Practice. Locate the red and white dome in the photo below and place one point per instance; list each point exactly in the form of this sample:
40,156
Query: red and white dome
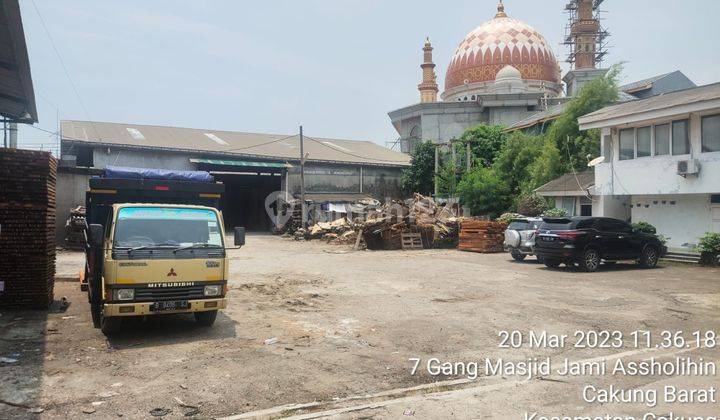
495,44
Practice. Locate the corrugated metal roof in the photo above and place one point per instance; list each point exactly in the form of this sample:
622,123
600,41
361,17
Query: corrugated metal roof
231,143
643,84
667,100
547,115
246,163
568,182
17,98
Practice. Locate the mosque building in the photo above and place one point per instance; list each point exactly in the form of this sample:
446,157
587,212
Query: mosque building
502,72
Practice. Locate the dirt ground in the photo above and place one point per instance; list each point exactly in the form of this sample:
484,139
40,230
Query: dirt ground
346,323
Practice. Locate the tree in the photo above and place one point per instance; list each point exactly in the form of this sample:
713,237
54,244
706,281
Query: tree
484,191
532,205
576,145
420,176
485,143
517,155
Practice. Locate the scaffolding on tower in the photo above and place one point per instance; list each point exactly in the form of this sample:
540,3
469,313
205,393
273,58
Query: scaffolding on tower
585,35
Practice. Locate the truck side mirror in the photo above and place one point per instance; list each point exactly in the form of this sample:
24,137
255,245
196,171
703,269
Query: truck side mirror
239,236
96,235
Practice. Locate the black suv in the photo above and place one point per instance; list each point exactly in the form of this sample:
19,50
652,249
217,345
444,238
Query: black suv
588,240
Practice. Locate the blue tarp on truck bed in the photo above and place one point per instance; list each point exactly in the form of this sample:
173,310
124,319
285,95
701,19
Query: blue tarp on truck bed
120,172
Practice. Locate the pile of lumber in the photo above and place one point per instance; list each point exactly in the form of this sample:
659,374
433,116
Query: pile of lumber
437,225
75,229
481,236
339,231
27,228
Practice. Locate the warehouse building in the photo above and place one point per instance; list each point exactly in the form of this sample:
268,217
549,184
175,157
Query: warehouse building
251,165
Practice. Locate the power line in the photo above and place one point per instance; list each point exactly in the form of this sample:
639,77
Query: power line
62,64
348,153
261,144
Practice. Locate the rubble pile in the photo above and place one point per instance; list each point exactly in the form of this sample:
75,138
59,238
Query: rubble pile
27,228
384,227
339,231
481,236
75,229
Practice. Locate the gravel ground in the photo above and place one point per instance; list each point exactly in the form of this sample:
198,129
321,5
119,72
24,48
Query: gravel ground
346,323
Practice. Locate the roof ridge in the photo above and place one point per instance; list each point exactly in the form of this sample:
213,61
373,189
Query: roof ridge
214,130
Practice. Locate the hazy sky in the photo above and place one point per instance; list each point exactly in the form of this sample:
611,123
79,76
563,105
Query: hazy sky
335,66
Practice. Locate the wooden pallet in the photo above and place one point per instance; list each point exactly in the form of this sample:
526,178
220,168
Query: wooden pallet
411,240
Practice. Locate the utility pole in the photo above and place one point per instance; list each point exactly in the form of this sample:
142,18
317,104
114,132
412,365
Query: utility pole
437,163
13,135
468,155
302,181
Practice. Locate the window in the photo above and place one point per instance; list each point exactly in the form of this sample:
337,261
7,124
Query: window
585,209
662,139
612,225
643,141
627,144
568,203
715,199
711,133
680,141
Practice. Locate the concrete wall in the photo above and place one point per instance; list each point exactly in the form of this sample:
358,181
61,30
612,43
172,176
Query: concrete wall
71,189
379,182
617,206
681,218
141,159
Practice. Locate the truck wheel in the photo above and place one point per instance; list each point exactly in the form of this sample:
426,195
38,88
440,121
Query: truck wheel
96,313
590,260
649,257
206,319
109,325
517,256
551,263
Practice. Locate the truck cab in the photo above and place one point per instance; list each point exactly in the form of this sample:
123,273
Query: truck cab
155,246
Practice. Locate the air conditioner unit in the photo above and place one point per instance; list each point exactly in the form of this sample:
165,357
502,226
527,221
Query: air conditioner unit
688,167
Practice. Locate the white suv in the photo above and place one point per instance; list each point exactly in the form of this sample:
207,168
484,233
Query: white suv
520,237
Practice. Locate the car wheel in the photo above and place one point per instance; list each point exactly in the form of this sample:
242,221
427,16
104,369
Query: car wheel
109,325
590,260
649,257
517,255
206,319
551,263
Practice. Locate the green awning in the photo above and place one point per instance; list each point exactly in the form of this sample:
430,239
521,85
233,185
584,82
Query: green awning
246,163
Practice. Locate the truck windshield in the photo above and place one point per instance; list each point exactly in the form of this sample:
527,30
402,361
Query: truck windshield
171,227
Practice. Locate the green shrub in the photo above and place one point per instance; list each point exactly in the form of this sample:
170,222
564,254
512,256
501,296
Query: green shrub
532,205
556,212
508,217
484,192
645,227
710,243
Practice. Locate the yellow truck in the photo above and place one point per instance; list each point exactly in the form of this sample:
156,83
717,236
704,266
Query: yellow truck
155,245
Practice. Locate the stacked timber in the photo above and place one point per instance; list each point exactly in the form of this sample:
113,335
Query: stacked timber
27,228
481,236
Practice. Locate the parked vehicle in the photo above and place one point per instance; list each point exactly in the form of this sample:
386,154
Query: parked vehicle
520,237
587,241
156,245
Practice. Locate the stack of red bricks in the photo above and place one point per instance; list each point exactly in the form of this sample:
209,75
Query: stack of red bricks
481,236
27,228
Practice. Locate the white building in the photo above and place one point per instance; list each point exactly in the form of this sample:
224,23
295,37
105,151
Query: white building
662,163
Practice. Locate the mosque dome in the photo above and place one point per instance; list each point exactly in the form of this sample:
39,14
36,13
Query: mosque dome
501,46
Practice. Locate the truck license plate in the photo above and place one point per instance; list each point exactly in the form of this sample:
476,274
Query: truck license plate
170,305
